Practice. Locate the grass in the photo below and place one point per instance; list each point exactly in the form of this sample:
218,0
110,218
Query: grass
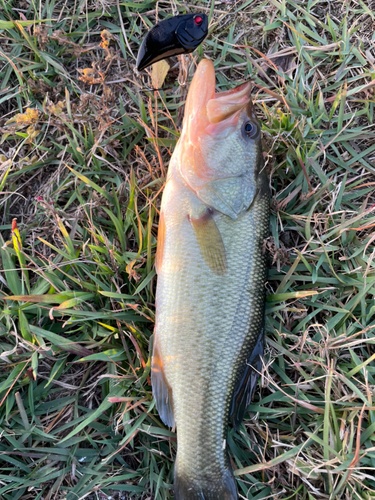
84,150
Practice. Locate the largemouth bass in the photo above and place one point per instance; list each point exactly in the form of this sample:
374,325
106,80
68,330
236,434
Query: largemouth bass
210,290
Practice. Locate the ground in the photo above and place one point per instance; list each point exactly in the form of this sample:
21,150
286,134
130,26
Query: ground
85,143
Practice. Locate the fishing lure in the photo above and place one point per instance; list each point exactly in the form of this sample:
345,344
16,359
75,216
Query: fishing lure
176,35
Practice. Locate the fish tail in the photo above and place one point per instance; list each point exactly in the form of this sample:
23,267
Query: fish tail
222,487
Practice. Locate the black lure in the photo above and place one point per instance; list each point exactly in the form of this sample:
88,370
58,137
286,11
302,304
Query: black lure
176,35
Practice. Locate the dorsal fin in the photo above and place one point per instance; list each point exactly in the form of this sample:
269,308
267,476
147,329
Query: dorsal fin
160,389
246,384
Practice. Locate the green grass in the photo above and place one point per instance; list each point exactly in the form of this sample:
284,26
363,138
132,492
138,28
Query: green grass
83,173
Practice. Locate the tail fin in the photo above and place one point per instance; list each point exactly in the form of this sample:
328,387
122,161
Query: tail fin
222,488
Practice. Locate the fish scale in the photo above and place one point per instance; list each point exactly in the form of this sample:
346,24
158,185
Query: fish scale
209,316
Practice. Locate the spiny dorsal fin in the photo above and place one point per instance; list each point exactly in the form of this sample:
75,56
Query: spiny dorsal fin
246,385
210,242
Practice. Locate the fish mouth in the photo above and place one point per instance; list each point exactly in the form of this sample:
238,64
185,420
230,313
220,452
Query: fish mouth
210,112
228,103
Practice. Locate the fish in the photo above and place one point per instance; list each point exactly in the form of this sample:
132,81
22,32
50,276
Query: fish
211,270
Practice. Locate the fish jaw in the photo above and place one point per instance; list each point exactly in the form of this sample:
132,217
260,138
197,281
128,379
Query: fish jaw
227,103
205,108
202,90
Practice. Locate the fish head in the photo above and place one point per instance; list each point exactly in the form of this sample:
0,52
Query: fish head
221,135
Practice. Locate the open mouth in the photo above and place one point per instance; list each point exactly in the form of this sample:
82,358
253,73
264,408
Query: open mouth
209,111
227,103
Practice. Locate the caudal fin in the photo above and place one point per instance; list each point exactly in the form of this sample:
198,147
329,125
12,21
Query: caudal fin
209,488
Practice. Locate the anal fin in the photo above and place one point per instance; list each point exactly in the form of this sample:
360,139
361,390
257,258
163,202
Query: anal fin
160,389
246,385
210,242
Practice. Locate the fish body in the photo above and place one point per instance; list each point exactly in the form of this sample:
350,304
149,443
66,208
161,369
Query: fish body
210,291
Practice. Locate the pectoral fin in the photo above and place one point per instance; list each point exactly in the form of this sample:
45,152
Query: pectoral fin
160,389
210,242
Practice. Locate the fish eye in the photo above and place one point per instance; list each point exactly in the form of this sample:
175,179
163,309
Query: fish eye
250,129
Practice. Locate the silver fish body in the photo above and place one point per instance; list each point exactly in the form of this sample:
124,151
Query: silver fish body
210,291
